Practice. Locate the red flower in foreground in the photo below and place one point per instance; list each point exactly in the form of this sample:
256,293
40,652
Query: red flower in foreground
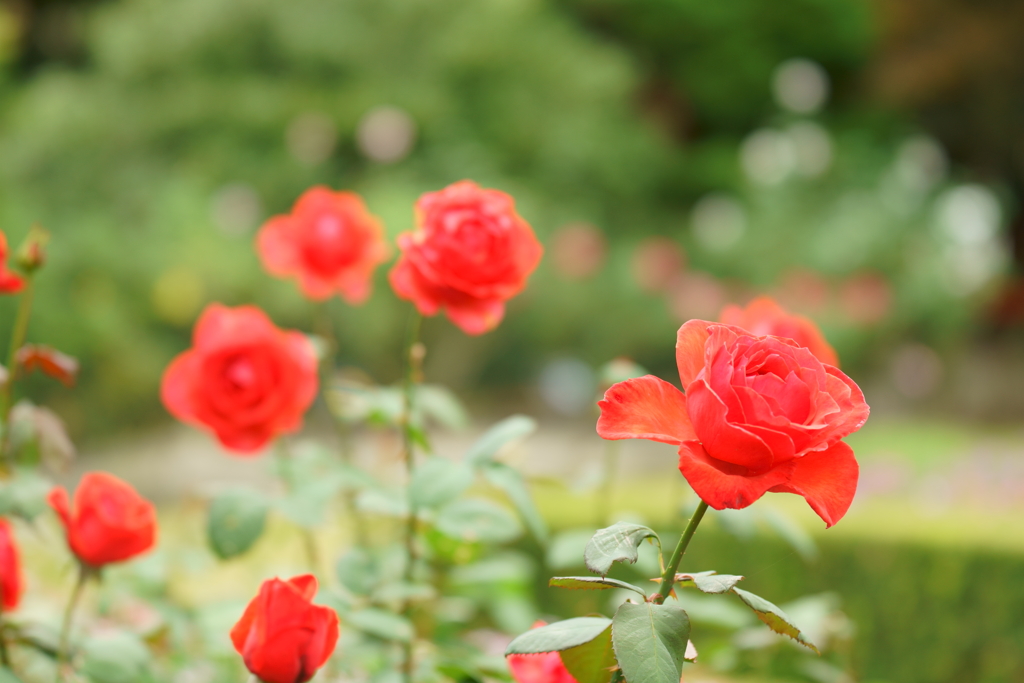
282,636
764,316
546,667
759,414
107,521
245,379
11,581
470,253
329,242
10,283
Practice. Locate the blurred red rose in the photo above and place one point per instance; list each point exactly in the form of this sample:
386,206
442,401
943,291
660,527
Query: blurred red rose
763,316
282,636
107,521
10,283
11,581
546,667
245,379
469,254
759,414
329,242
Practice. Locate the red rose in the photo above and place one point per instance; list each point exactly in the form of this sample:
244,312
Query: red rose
546,667
245,379
10,283
329,242
759,414
11,581
282,636
107,522
764,316
470,253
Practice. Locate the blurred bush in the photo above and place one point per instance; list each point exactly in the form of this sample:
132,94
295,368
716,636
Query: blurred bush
155,155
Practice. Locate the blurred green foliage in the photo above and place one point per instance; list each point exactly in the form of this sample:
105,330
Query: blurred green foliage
154,158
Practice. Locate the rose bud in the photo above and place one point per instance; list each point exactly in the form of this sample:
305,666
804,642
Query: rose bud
763,316
244,379
760,414
10,282
546,667
282,636
469,254
31,254
107,521
11,581
329,242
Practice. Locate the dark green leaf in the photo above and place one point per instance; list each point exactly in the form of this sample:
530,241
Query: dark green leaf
774,617
512,484
508,430
477,520
357,571
709,582
236,520
558,636
591,662
380,623
650,641
617,543
118,657
592,583
437,481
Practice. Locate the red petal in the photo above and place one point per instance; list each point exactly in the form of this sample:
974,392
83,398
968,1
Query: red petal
58,500
276,247
827,479
475,316
722,439
58,365
690,341
305,585
176,386
220,324
724,485
645,408
408,285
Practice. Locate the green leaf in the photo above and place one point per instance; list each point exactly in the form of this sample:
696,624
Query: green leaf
357,571
709,582
381,624
508,430
436,481
381,502
441,405
591,662
400,590
617,543
774,617
650,641
236,520
512,484
592,583
119,657
477,520
24,494
7,676
558,636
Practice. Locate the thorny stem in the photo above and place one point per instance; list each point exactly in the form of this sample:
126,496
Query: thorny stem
668,578
65,629
18,333
413,359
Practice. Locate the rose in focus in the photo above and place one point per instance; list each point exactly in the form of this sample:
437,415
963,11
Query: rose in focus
282,636
764,316
469,254
12,583
244,379
329,242
107,521
760,413
546,667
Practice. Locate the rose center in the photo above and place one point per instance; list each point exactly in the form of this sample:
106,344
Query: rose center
241,373
330,245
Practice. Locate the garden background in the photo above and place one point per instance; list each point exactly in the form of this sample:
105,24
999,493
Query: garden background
861,161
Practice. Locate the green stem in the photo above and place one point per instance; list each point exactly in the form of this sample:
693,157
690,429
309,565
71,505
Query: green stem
668,578
413,358
5,657
18,334
65,629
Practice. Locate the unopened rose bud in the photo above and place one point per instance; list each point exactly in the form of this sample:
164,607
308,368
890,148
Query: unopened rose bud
31,254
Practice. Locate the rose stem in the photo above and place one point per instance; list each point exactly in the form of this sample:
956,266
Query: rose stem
669,577
18,334
287,470
5,658
324,326
413,360
65,628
